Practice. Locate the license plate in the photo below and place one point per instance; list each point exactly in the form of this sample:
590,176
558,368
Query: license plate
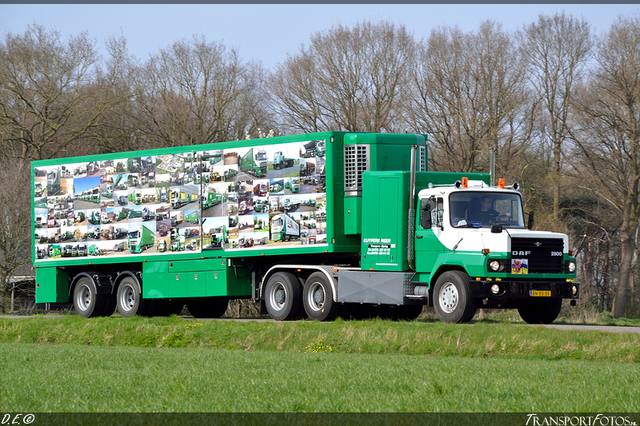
540,293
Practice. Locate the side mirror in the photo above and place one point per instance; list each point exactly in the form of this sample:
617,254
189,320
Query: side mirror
530,224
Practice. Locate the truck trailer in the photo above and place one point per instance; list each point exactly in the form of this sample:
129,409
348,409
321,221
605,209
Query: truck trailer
394,235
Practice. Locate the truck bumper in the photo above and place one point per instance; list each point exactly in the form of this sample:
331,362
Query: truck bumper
509,290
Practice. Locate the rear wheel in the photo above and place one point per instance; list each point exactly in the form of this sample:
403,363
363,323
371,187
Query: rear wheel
452,298
209,307
129,298
540,311
282,296
86,301
317,298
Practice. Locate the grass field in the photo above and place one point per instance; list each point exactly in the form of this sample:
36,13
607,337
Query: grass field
180,365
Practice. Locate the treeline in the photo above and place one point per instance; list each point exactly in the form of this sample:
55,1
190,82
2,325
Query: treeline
558,103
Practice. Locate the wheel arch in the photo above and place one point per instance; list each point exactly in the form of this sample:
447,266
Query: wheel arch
103,282
300,272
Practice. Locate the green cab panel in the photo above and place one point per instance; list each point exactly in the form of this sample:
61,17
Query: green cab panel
385,206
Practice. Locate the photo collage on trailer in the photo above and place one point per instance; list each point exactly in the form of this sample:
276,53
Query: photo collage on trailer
236,198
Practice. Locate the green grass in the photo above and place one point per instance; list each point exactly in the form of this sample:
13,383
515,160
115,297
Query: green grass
482,339
73,378
174,364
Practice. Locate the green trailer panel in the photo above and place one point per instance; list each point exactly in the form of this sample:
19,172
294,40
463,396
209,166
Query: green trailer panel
52,285
194,278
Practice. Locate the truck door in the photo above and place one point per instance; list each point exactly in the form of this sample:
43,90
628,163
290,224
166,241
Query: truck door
429,224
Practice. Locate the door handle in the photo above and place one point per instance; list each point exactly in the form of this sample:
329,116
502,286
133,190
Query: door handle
419,237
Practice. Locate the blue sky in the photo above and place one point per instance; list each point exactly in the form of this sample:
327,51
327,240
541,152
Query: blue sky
266,32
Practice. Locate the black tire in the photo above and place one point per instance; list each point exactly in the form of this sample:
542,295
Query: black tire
539,311
129,298
209,307
283,296
86,301
109,305
317,298
452,298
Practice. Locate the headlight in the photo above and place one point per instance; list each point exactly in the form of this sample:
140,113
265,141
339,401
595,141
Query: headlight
572,267
495,265
495,289
574,290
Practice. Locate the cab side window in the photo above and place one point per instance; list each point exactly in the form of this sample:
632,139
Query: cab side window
431,212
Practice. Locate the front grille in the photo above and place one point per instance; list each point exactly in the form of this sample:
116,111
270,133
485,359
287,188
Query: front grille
544,255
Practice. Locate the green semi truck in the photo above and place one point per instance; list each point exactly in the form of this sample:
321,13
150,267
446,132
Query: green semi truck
281,161
140,239
395,237
254,162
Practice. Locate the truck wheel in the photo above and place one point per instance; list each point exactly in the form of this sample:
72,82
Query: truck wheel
86,301
317,298
129,298
210,307
452,299
282,296
542,311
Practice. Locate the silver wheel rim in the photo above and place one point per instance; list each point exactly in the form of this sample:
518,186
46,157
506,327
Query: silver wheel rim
278,296
316,296
83,298
127,298
448,298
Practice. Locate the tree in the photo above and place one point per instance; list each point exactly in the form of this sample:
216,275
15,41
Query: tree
15,221
556,49
44,107
471,96
349,78
196,92
608,139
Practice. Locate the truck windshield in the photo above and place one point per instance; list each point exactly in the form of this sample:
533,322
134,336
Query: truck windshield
475,209
134,234
261,156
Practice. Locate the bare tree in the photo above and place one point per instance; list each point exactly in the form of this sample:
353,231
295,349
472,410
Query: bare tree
608,141
15,221
349,78
471,96
556,49
196,92
44,107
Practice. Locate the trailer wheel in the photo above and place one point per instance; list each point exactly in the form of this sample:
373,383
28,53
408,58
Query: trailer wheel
86,300
317,298
210,307
282,296
129,298
540,311
452,299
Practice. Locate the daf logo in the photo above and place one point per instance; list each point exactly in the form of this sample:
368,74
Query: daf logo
537,243
520,253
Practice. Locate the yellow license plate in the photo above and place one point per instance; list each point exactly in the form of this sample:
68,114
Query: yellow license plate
540,293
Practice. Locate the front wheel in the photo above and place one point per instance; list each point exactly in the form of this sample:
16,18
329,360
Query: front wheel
282,296
540,311
317,298
452,298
